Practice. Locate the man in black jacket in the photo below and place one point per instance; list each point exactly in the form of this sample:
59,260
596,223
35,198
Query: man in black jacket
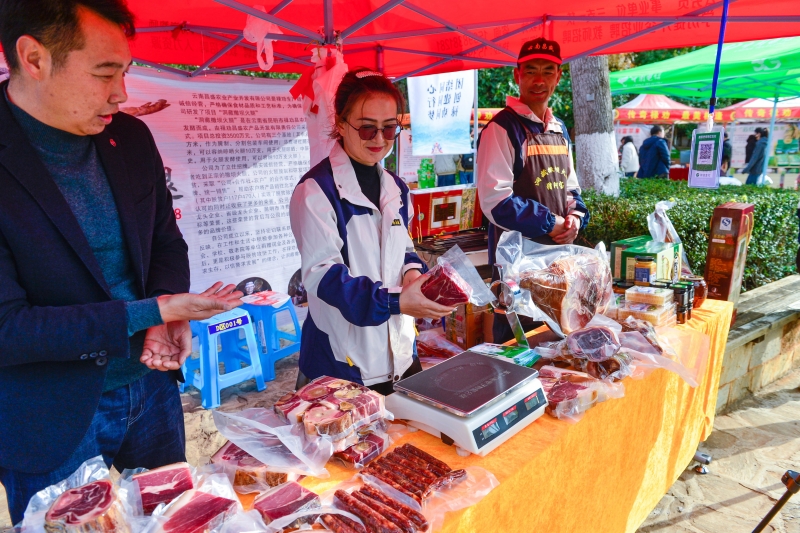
93,268
654,155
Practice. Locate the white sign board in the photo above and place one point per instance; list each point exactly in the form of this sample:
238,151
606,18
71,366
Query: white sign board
233,149
407,162
441,107
639,132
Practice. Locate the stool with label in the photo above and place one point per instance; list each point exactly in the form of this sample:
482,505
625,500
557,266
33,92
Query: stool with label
265,307
222,331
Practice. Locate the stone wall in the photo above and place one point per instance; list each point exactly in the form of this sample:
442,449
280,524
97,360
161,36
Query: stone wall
763,344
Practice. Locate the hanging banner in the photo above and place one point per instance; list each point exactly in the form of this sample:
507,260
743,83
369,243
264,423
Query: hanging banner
441,107
706,158
407,163
233,149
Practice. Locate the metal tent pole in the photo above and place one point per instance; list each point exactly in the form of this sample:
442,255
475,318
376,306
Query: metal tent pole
713,101
770,134
475,134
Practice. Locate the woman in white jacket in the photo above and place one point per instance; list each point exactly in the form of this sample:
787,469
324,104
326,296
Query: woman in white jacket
630,157
350,219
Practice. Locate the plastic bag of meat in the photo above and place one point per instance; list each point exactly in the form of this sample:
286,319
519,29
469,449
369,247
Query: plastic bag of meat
373,440
284,500
249,474
247,522
433,344
160,485
565,286
333,519
87,501
455,280
282,447
688,362
595,343
571,393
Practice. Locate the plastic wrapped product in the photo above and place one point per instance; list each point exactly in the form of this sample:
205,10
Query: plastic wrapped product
647,330
569,393
455,280
368,448
249,474
162,485
90,508
615,368
287,499
196,512
432,343
656,315
596,343
649,295
571,290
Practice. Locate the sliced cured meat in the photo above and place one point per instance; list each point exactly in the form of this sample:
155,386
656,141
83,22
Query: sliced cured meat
286,499
313,392
596,343
92,507
162,485
290,408
364,451
322,420
365,407
418,518
196,512
248,471
571,290
446,286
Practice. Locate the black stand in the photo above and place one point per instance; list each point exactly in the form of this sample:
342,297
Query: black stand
792,481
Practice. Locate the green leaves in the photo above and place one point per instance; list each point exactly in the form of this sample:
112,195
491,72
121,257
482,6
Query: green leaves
770,256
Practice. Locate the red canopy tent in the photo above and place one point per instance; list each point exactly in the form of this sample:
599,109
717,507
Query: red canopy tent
760,109
408,37
657,109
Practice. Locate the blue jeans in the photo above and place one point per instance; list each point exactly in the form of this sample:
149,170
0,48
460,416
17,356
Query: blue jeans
138,425
445,180
752,179
466,176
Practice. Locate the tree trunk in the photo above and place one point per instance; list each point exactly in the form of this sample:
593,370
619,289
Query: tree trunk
595,145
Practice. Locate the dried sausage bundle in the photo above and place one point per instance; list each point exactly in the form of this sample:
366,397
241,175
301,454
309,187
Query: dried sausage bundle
379,512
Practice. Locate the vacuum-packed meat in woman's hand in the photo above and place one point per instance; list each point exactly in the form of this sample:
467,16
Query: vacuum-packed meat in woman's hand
445,286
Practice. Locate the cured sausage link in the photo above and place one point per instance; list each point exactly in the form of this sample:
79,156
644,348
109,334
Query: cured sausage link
413,475
421,463
388,470
427,457
449,479
374,521
419,520
402,461
352,523
334,524
386,479
387,512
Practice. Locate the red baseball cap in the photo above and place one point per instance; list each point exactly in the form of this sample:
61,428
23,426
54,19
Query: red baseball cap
540,48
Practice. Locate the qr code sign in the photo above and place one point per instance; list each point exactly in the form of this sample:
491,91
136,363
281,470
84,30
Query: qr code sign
705,153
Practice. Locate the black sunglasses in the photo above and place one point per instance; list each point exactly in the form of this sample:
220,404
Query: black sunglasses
369,132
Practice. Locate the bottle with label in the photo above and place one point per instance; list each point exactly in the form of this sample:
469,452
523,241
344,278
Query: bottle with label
645,270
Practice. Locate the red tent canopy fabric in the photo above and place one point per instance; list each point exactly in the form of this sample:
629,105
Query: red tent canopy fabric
409,37
758,109
657,109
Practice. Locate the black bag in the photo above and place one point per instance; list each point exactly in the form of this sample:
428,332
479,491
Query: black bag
468,161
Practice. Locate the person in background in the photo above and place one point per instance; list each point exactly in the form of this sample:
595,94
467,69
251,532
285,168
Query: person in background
445,166
755,167
94,272
466,169
727,152
654,155
751,145
526,178
629,164
362,276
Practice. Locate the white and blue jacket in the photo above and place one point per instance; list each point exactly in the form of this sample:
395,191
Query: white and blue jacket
353,260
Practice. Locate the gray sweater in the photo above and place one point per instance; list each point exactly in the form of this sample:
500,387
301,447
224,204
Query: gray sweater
75,167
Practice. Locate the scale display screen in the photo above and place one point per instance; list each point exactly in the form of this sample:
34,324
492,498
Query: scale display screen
498,425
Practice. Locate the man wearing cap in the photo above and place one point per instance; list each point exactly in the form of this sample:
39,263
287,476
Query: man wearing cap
526,179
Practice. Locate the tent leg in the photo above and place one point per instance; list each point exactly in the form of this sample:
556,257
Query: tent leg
769,135
475,134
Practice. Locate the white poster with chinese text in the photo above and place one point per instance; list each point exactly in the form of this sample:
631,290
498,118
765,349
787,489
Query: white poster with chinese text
441,106
233,149
407,163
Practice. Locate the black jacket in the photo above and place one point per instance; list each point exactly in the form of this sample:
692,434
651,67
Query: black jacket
55,305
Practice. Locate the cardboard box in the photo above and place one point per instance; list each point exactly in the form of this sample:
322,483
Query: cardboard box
666,254
465,325
617,247
731,226
444,210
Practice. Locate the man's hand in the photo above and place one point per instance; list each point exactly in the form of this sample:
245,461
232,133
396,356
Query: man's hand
571,227
213,301
559,228
414,303
166,347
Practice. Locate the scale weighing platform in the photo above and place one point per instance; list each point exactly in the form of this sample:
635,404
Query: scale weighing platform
472,400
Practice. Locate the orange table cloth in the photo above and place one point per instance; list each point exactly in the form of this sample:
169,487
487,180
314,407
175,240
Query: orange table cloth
602,475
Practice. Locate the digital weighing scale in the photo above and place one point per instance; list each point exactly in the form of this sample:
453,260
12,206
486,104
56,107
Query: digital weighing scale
472,400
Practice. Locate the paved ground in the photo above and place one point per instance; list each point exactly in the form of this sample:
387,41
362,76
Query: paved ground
752,447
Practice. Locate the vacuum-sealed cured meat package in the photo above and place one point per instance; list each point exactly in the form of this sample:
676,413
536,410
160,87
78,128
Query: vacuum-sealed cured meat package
596,343
455,281
91,507
249,474
162,485
284,500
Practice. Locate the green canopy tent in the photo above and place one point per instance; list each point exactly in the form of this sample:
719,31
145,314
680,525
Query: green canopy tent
767,69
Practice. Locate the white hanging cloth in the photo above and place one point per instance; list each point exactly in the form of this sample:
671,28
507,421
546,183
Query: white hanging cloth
255,31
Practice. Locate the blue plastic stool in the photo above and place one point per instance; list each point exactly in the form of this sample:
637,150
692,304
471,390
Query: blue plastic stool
266,317
223,328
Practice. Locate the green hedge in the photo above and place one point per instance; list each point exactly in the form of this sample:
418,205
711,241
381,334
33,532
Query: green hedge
773,247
